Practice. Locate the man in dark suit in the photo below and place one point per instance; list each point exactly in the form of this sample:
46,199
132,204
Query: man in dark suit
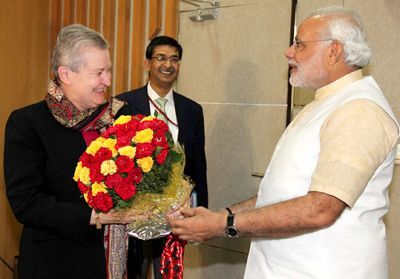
186,123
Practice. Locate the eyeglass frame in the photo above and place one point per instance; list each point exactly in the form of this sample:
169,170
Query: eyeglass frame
297,42
160,58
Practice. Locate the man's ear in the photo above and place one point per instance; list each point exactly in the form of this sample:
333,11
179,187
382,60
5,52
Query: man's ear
146,64
64,74
335,52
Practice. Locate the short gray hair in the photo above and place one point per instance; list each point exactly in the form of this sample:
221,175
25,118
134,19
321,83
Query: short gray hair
347,27
70,41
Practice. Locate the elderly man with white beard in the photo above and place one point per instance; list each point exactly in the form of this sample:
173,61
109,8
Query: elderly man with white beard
319,209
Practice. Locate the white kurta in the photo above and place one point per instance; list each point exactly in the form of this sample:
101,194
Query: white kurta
355,245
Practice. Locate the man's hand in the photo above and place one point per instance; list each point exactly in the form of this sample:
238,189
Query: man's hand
198,224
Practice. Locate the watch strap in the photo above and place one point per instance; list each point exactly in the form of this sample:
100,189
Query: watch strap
229,220
230,230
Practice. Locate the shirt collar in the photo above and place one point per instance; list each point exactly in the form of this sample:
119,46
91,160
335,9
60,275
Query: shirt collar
153,94
338,84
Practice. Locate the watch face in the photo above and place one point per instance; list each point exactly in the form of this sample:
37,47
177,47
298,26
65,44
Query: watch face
231,231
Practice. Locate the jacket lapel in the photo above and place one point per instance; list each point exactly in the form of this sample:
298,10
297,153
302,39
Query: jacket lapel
142,102
181,116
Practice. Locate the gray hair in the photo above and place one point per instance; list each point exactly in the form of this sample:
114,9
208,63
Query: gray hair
70,42
347,27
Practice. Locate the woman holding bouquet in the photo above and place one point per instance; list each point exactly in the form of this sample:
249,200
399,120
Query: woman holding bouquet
43,143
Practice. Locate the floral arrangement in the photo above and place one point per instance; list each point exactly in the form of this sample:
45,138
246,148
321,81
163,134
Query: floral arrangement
135,164
133,157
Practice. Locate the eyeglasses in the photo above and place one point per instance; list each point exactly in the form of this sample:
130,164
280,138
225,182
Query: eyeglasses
298,44
175,60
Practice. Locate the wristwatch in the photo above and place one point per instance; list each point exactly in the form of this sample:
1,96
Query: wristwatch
230,229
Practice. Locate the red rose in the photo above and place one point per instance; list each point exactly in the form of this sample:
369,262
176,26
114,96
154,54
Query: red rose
95,174
144,150
123,140
129,129
87,160
103,154
135,175
139,117
149,124
113,180
160,139
125,190
155,125
162,156
109,132
102,201
124,164
82,187
162,126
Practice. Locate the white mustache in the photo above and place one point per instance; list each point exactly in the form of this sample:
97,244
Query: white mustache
292,63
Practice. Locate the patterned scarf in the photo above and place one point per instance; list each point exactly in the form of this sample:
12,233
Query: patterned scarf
68,115
91,123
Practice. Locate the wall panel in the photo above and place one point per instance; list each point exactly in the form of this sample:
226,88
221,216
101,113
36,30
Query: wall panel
24,31
137,49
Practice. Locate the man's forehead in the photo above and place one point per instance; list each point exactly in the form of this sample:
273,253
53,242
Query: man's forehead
165,48
311,26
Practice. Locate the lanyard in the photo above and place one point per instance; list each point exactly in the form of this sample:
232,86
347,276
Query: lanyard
162,112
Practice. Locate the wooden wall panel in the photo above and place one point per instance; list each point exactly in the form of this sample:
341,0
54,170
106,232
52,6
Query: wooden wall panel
81,12
55,20
24,26
137,50
121,65
155,16
94,14
171,18
68,12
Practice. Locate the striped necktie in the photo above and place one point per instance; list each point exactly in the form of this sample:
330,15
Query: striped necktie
161,104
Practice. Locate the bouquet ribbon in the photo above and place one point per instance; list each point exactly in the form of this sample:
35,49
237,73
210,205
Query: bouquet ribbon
172,258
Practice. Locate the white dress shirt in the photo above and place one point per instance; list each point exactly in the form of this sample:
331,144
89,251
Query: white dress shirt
169,109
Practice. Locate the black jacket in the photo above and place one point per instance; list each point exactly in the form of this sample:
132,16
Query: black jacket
40,156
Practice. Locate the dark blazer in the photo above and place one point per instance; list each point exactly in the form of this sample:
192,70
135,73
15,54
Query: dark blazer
40,156
191,134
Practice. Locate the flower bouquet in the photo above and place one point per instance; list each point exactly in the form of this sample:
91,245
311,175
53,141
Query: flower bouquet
135,163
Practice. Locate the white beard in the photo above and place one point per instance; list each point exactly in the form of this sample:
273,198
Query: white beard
309,74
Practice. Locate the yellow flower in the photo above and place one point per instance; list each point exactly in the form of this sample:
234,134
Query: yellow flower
86,198
108,167
143,136
95,146
145,163
78,170
84,176
122,120
110,144
147,118
98,188
129,151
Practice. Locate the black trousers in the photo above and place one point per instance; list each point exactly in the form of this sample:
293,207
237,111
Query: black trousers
143,253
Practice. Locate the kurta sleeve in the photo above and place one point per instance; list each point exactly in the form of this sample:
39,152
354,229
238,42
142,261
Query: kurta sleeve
354,141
